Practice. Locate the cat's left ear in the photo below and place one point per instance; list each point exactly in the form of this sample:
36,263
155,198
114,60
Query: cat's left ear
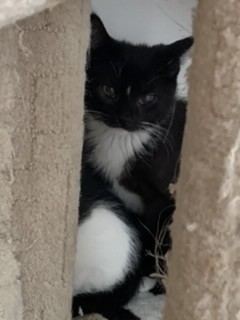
174,52
178,48
99,34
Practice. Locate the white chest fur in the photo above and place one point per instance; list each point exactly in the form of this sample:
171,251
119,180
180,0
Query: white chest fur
114,147
112,150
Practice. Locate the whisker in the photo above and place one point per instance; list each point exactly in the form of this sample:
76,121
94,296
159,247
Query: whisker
114,69
158,132
171,119
153,79
96,114
165,132
121,67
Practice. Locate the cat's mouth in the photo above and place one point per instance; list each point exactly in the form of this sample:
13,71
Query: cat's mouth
126,124
120,123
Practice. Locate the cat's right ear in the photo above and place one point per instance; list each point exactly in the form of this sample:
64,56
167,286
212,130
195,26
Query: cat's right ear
99,34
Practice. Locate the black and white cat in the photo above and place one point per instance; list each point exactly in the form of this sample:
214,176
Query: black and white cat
133,134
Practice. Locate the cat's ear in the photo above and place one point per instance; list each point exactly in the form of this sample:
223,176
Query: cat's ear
173,54
178,48
99,34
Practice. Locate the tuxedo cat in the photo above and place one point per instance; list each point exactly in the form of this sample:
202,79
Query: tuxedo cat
133,133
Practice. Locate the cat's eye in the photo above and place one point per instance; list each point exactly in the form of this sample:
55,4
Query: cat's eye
109,92
146,99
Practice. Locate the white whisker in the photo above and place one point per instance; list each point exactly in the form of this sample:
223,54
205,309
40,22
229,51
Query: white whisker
114,69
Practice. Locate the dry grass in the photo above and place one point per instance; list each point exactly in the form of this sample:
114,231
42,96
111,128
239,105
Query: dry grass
161,261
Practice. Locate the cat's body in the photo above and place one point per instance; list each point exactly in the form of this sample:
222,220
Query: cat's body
113,237
133,134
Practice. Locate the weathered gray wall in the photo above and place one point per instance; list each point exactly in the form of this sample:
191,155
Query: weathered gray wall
204,268
42,62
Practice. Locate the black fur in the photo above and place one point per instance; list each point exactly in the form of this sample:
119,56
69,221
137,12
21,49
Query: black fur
151,179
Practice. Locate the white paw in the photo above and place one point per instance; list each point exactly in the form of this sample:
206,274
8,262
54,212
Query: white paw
147,284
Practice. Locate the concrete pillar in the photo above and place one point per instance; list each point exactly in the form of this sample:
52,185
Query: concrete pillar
42,61
204,267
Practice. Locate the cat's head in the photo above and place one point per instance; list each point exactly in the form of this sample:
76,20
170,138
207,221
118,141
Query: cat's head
131,85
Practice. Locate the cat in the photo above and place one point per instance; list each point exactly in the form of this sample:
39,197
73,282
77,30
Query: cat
131,113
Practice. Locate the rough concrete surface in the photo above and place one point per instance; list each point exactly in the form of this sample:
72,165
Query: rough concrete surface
204,268
42,63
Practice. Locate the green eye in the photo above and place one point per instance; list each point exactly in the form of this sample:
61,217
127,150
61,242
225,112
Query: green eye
146,99
109,92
